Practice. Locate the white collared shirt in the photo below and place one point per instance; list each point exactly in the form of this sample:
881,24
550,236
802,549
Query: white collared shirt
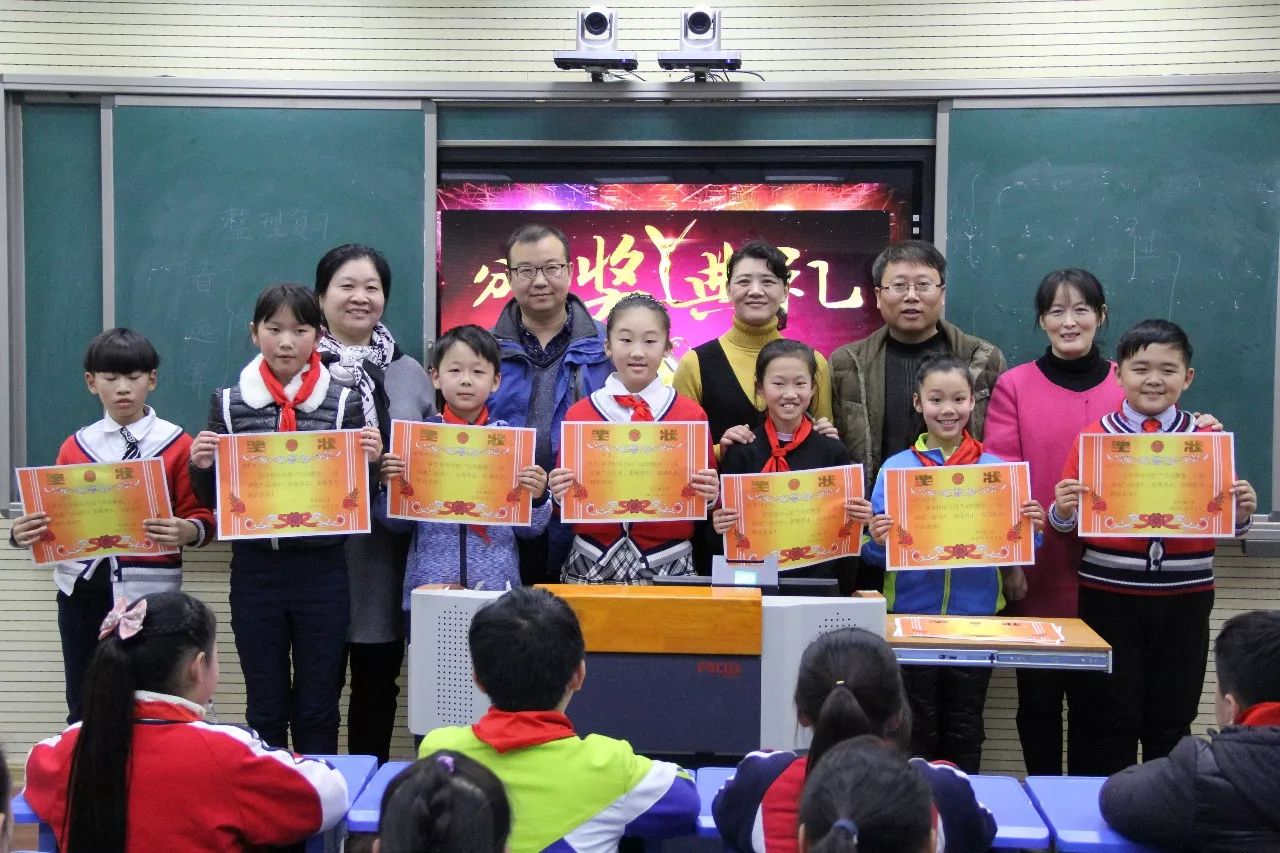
105,441
1135,419
657,394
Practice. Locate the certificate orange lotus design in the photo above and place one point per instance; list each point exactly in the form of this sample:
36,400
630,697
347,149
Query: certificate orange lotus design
798,515
954,516
292,484
96,510
461,474
639,471
1157,484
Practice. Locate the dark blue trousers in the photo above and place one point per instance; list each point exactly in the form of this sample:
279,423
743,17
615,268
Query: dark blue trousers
290,610
80,616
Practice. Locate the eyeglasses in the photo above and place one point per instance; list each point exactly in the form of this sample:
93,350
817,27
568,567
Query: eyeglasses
527,274
922,288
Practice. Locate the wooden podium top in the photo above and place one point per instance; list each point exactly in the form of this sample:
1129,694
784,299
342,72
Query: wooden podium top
666,620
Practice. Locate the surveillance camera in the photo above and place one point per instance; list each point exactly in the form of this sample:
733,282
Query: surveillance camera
597,45
700,29
596,30
700,50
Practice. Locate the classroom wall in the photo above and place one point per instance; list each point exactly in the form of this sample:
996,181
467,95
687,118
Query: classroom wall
514,39
32,704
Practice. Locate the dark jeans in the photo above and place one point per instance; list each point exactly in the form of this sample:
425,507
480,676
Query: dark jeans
946,713
80,616
1159,648
291,606
542,557
371,711
1041,693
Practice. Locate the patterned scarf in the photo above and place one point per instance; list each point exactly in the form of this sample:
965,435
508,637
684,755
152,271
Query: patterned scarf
349,371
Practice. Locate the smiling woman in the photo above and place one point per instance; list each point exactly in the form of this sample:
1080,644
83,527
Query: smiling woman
1035,413
353,283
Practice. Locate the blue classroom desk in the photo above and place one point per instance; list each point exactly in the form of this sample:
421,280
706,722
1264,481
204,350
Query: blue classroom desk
1070,807
355,769
1018,824
365,809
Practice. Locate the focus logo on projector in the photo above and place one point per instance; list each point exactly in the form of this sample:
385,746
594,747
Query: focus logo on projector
720,668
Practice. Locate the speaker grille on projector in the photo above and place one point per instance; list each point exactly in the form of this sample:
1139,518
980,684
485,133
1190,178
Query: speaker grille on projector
454,685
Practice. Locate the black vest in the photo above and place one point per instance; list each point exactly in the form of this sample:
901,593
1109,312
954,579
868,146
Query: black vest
723,399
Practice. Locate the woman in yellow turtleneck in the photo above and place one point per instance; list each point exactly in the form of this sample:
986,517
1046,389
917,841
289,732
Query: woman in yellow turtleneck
720,374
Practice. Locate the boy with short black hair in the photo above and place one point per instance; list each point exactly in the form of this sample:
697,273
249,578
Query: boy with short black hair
120,369
1220,794
1149,598
576,793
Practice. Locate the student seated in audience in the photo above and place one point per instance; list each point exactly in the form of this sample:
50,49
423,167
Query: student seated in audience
1220,794
866,798
568,792
444,803
145,772
849,685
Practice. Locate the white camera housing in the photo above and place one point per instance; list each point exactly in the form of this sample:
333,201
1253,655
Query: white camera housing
597,51
700,28
597,29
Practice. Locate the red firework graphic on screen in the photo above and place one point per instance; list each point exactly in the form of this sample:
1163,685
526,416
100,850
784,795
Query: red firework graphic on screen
672,241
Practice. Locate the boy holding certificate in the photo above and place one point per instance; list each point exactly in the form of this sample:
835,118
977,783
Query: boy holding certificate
120,369
1149,597
465,369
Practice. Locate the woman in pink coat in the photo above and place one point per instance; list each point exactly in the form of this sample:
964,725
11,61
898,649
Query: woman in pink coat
1036,411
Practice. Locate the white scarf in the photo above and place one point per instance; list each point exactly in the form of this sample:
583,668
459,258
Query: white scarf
349,370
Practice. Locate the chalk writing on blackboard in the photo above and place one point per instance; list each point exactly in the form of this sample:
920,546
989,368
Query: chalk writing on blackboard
280,223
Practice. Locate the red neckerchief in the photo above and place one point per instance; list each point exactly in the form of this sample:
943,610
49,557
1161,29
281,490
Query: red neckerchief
1261,714
450,418
288,417
968,453
508,730
640,410
777,460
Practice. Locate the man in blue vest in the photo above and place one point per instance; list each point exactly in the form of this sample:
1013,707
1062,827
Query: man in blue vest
552,356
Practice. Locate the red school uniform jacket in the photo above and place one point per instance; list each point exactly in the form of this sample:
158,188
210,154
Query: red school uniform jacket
136,576
196,786
649,536
1138,565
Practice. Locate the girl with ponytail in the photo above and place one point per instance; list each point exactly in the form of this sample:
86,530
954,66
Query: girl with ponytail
145,772
849,685
444,803
866,798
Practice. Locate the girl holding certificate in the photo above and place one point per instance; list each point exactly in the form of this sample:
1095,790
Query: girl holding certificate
638,339
289,596
786,379
946,702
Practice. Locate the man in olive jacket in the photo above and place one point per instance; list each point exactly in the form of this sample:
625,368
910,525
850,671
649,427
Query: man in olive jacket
873,379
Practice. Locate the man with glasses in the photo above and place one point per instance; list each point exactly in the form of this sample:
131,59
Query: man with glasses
552,356
873,379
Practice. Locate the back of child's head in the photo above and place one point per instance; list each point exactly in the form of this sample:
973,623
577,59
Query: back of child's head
334,259
120,350
1144,334
944,362
444,803
785,348
865,797
293,298
525,647
638,300
478,340
175,627
1247,656
850,684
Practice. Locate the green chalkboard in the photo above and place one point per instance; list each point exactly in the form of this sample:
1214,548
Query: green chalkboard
62,228
1175,209
212,204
